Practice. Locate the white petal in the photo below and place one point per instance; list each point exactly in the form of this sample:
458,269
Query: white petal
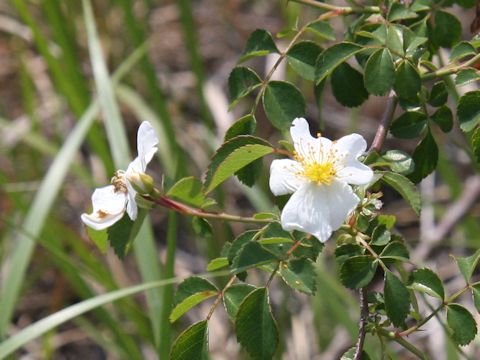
355,173
132,209
309,148
353,145
108,201
307,211
100,222
342,201
136,166
146,143
319,210
108,208
284,178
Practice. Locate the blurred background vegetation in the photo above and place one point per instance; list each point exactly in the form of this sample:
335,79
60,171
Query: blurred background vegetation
66,124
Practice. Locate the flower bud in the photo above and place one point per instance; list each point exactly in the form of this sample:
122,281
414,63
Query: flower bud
141,182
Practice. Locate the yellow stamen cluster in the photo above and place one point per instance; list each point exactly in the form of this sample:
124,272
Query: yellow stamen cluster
319,173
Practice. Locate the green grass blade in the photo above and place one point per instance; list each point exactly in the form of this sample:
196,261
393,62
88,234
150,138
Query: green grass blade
147,260
42,203
50,322
166,333
113,121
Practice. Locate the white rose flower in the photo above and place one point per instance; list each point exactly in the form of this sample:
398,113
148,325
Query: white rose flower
319,178
110,202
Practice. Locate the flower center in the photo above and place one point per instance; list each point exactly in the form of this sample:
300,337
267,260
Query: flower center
118,181
319,173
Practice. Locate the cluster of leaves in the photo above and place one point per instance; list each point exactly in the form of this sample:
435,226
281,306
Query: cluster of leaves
270,249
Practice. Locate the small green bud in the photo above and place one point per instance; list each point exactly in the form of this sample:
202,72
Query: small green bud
141,182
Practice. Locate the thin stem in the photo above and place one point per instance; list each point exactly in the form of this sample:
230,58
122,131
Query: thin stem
344,9
282,152
220,297
362,326
384,125
287,255
272,275
184,209
337,11
366,246
435,311
403,342
294,247
421,323
448,70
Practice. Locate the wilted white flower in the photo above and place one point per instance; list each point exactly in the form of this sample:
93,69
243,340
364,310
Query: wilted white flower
319,178
110,202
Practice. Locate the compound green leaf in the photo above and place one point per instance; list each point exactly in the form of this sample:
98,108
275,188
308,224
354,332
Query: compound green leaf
322,29
251,255
381,236
395,39
466,76
192,344
397,299
217,263
255,326
232,156
425,158
241,82
300,275
396,251
407,81
468,264
260,43
191,292
425,280
461,323
468,110
447,29
405,188
438,94
302,58
238,243
379,72
188,190
233,297
461,50
409,125
332,57
244,126
282,103
347,86
399,161
476,296
358,271
399,11
443,117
